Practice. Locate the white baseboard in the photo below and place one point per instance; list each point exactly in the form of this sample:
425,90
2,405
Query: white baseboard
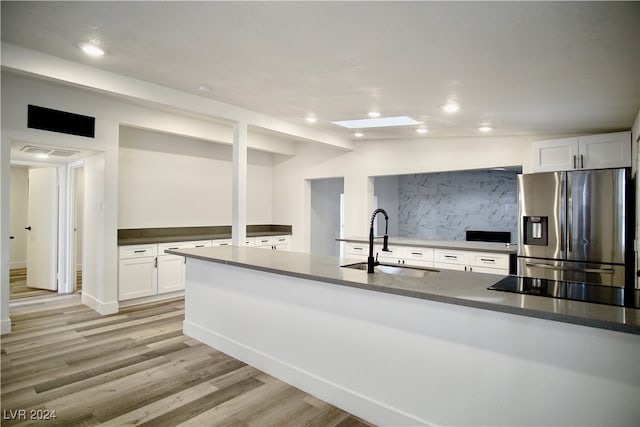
103,308
5,326
144,300
321,388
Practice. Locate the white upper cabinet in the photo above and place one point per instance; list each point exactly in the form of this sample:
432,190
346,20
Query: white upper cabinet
611,150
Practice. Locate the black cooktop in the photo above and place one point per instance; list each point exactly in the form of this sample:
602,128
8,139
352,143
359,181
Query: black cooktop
586,292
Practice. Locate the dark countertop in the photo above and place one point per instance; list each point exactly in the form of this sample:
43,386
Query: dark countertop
145,236
447,286
462,245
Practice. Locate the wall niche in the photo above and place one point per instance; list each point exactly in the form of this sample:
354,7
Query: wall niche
444,205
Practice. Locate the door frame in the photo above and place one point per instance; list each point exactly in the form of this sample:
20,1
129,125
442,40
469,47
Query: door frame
70,219
63,230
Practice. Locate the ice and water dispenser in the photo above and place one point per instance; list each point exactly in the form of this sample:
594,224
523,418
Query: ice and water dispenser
536,230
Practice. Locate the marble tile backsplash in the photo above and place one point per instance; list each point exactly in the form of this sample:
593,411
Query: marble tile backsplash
442,206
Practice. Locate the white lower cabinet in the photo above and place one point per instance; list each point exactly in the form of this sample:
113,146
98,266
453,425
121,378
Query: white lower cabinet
138,272
405,255
273,242
146,270
447,259
171,273
479,262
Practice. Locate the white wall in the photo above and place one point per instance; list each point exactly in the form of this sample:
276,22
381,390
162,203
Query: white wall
18,205
172,181
377,158
101,170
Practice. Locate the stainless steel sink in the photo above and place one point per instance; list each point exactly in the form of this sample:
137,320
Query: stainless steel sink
394,269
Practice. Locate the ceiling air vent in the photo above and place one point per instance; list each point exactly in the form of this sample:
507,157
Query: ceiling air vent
60,121
45,151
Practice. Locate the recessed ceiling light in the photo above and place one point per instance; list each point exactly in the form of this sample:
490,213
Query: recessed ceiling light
311,119
204,88
451,107
42,156
373,114
485,128
422,130
91,49
358,134
378,122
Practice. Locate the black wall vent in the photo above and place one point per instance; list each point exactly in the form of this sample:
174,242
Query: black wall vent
61,121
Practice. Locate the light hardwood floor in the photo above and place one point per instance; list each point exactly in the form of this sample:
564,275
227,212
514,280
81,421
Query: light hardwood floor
137,368
18,287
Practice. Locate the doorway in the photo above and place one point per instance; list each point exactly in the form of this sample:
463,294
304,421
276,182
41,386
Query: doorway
34,230
47,197
326,215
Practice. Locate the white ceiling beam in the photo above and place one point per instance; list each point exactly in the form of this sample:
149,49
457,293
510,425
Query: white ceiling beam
50,67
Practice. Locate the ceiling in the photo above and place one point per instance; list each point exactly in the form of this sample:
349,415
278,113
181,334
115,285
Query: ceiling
522,67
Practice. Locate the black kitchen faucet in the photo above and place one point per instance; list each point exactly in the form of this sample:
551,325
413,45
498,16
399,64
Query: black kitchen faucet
371,262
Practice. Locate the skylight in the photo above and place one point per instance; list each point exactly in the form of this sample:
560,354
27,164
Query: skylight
377,122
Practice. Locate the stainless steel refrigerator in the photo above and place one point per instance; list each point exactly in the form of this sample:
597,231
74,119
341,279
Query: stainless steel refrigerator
574,226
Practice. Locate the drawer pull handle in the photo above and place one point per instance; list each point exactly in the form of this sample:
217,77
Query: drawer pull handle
488,259
139,251
281,240
199,246
224,244
451,256
417,253
264,241
357,249
171,249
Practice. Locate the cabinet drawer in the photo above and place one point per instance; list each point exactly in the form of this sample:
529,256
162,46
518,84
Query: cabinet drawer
197,244
221,242
356,249
419,254
138,251
167,246
449,257
281,240
490,260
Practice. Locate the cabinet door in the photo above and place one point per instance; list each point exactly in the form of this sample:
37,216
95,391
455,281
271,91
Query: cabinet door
171,273
488,270
281,243
394,256
137,277
611,150
555,155
449,266
265,242
483,262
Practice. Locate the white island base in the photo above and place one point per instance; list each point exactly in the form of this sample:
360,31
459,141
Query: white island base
395,360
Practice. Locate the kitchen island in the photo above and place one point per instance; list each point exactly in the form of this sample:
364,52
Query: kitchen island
399,350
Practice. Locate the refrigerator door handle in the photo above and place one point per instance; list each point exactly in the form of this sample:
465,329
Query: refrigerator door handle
596,270
563,212
569,222
541,265
583,270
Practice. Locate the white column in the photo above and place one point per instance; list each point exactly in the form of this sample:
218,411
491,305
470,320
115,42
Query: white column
5,167
239,195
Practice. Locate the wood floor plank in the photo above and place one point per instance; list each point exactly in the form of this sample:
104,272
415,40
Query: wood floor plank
137,368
